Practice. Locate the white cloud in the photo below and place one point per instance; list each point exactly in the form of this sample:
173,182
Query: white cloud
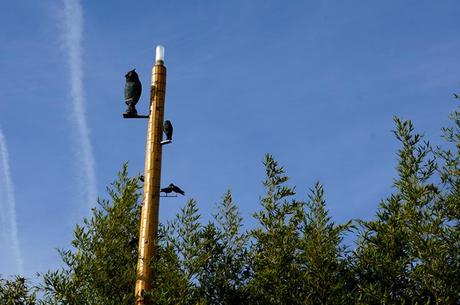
8,224
72,34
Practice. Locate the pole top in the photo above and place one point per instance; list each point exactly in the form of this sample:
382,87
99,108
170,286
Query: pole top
160,53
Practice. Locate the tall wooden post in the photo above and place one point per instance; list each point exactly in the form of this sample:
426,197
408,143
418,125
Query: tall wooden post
148,233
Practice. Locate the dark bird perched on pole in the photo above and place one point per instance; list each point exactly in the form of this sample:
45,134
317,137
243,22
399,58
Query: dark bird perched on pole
133,242
172,188
133,90
168,130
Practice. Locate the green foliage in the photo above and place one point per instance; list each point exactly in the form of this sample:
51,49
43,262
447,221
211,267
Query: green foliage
100,269
171,285
297,257
326,275
408,254
277,277
212,259
181,243
16,292
449,170
223,261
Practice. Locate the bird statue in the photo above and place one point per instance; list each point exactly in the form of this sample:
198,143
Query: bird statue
133,90
172,188
133,242
168,130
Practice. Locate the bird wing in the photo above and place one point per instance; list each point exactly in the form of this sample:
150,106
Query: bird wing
166,190
178,190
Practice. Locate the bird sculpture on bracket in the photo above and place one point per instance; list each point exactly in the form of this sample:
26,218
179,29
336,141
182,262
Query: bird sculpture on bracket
168,130
133,91
172,188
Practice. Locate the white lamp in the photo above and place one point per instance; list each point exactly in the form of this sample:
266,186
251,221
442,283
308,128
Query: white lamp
160,53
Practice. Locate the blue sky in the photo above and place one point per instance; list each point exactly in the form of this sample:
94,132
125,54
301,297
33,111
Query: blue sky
315,83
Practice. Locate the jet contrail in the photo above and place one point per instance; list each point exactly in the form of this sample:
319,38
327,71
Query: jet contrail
72,37
8,206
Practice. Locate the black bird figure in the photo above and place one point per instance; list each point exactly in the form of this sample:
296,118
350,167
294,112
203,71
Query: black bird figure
456,95
133,242
168,130
172,188
176,189
133,90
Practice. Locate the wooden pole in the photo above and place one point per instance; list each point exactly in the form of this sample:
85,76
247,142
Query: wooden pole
148,232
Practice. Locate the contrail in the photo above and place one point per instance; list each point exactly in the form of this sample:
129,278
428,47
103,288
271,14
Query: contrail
72,37
8,205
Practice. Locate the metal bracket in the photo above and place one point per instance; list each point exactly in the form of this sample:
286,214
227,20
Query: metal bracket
134,116
164,142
